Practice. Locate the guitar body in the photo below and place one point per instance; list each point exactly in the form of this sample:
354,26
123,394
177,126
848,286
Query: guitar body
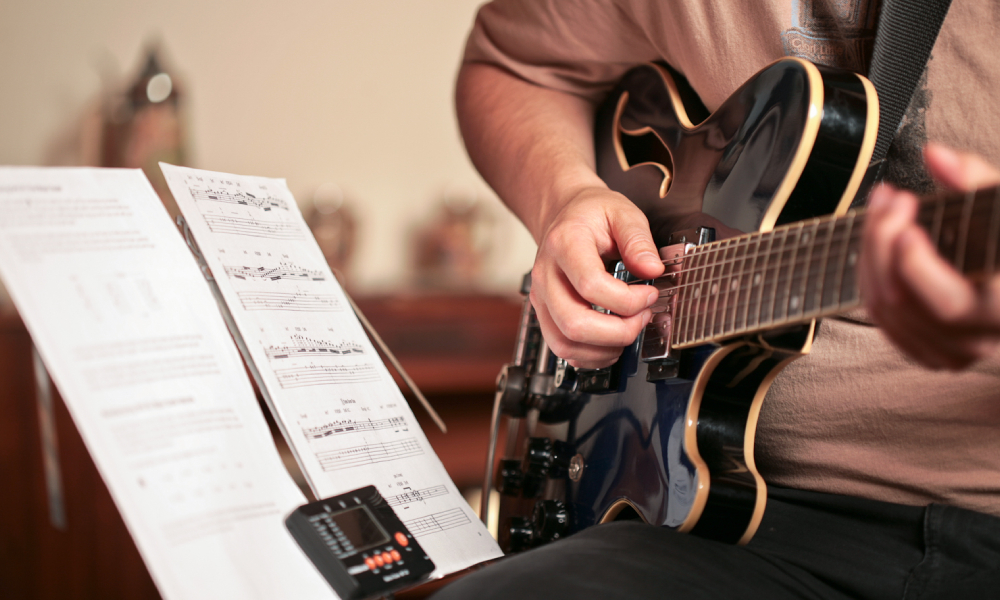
790,144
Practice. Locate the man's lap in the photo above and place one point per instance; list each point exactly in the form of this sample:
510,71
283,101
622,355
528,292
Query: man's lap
809,545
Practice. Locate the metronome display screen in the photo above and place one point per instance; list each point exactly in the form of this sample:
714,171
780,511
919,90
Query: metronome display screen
359,528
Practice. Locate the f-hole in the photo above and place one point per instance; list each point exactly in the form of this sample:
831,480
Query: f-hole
645,148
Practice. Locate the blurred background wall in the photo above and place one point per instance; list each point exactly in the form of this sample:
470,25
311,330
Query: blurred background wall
357,94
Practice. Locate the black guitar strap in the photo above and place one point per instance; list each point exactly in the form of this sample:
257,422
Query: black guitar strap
907,30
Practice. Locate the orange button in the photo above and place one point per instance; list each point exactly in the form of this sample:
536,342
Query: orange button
401,539
379,560
386,557
395,555
371,563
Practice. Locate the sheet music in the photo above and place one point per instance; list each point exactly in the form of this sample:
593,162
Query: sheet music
342,413
133,338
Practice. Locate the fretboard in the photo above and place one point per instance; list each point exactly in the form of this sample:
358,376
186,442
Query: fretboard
808,270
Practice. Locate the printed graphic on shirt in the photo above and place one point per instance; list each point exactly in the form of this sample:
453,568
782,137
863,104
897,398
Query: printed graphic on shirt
837,33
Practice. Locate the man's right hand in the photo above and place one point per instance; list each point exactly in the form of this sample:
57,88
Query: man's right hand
535,147
569,277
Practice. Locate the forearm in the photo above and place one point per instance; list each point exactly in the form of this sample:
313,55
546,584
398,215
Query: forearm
533,145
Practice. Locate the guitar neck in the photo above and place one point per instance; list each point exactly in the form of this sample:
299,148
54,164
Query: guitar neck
807,270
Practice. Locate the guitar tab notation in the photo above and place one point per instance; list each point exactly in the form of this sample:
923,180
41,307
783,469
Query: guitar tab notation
357,456
293,301
313,375
437,522
350,426
275,230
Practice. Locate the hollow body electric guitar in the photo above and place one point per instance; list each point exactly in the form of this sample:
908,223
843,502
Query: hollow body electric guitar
667,433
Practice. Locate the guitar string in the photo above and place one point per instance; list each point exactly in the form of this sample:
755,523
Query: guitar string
744,243
729,324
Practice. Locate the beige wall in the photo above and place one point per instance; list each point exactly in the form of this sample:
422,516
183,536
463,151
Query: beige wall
355,93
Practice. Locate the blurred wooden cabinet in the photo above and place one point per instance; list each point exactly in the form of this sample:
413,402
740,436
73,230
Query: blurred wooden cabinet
453,346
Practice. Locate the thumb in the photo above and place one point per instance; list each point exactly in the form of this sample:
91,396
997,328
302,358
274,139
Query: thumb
958,170
630,230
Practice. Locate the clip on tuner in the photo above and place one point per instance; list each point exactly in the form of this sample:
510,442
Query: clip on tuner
359,544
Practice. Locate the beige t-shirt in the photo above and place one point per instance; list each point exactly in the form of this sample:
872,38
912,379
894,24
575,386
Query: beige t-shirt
855,416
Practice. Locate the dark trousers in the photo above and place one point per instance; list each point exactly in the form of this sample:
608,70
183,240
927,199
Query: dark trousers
809,545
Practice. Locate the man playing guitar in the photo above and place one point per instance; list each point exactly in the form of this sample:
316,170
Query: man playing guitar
884,457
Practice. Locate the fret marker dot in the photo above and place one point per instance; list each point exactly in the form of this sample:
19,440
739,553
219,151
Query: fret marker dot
697,292
793,303
756,278
805,239
852,258
715,288
735,284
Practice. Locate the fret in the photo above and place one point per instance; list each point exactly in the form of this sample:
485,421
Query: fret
842,262
711,291
963,235
680,305
936,223
691,283
817,296
759,281
950,214
994,232
721,288
781,266
704,292
746,277
809,269
735,285
791,297
849,281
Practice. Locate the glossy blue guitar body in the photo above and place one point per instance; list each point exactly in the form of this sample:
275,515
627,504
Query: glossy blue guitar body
667,434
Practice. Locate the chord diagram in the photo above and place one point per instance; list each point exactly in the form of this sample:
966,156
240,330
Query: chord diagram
368,454
241,198
294,301
311,375
416,495
349,426
283,271
303,347
275,230
437,522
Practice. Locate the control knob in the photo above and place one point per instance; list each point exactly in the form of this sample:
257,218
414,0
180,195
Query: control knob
550,520
548,458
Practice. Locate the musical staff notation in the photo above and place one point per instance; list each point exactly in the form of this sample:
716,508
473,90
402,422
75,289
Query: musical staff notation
286,271
357,456
350,426
294,301
275,230
416,495
311,375
241,198
304,347
437,522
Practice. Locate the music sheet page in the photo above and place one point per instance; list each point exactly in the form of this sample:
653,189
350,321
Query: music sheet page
342,413
133,338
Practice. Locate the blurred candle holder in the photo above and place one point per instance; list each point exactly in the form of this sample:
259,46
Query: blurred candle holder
333,225
451,250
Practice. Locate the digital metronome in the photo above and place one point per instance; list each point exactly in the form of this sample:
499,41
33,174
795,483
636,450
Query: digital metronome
358,544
